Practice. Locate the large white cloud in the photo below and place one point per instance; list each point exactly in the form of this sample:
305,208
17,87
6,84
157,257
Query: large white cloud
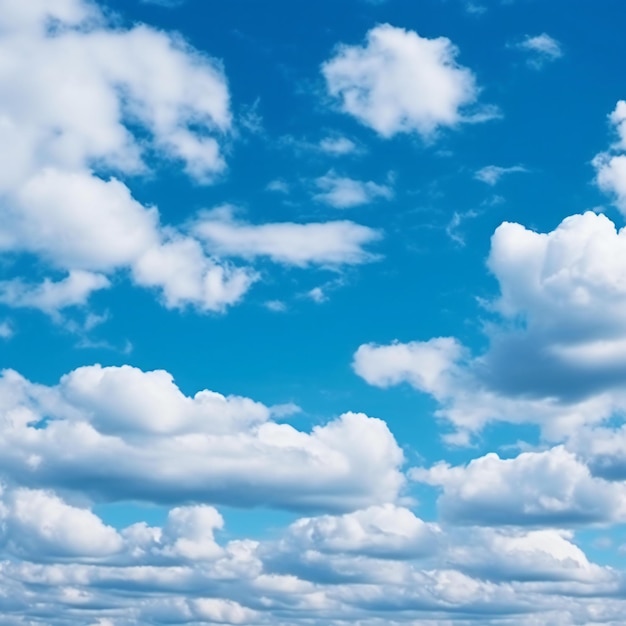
400,82
124,433
557,349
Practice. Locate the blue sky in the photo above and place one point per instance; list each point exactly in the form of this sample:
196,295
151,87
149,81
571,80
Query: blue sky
312,313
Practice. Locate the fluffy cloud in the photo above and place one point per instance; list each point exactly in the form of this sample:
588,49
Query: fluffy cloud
124,433
89,98
326,569
51,296
399,82
39,525
324,243
378,531
542,488
560,309
78,93
344,193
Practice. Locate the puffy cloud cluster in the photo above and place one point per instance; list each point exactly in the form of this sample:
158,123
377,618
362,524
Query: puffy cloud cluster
400,82
556,356
121,433
92,104
382,561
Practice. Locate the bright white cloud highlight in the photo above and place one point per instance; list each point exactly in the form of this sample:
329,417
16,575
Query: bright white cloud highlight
400,82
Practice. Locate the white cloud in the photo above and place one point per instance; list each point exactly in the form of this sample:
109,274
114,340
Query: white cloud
187,276
380,531
318,295
39,525
6,330
134,435
320,243
542,48
611,165
278,306
344,193
540,488
50,296
491,174
560,308
79,94
521,555
329,569
420,363
401,82
338,146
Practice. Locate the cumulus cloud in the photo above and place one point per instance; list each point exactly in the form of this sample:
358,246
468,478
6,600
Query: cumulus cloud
611,165
559,312
79,94
332,243
135,435
540,488
400,82
52,296
344,193
331,568
36,525
379,531
541,49
491,174
121,101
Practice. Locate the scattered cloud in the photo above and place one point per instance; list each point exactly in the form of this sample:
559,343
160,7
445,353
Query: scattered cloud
541,49
611,165
50,296
400,82
278,185
6,330
338,146
331,244
491,174
278,306
344,193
